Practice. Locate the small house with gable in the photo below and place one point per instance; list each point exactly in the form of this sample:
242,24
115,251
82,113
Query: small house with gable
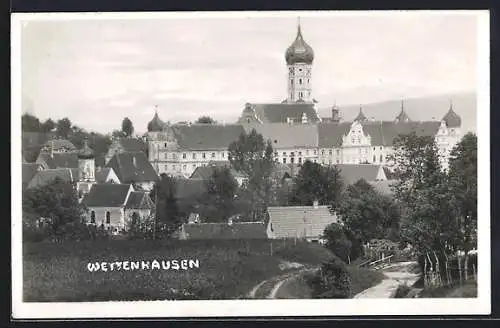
301,222
111,205
134,168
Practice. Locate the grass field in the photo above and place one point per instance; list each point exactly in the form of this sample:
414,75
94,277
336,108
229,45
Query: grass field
228,269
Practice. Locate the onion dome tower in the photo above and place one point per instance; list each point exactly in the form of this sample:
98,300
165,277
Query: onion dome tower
451,118
299,57
156,124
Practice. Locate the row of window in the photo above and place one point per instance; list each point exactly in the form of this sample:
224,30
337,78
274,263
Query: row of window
183,167
194,155
300,81
292,153
108,217
223,154
292,160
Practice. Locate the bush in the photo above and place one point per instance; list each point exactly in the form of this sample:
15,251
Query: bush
337,241
302,252
332,280
402,291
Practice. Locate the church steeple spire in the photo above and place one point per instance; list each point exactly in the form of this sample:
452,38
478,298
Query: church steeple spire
402,117
361,116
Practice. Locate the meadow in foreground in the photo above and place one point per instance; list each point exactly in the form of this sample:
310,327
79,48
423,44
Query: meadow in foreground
228,269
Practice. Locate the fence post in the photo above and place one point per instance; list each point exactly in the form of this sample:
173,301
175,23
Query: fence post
459,267
466,265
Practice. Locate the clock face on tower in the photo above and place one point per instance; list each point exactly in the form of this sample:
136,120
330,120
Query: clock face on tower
308,71
291,70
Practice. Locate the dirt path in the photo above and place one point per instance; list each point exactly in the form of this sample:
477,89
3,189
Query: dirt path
275,287
396,274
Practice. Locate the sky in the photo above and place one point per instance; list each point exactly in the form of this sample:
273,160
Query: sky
96,72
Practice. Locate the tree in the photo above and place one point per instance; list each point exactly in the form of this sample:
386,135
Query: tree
56,202
254,157
168,217
316,182
462,175
367,213
140,227
423,193
63,128
48,125
30,123
77,136
205,120
117,134
332,280
127,127
220,195
337,241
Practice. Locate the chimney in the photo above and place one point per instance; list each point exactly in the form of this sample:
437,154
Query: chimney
315,204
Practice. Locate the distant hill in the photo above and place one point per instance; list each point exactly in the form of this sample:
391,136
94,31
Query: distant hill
418,109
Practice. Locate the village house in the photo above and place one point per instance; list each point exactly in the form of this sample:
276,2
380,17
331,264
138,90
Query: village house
301,222
29,170
125,145
45,177
351,173
58,160
204,173
134,168
112,205
106,174
58,146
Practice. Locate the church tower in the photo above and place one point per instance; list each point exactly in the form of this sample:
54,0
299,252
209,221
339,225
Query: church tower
299,58
86,169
